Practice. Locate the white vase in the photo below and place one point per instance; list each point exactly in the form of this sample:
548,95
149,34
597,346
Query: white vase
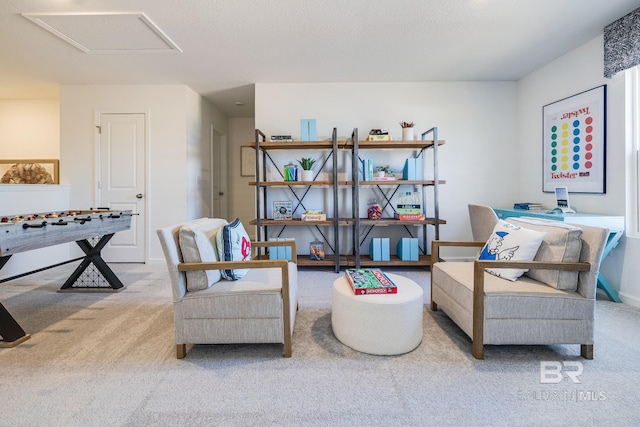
307,175
407,134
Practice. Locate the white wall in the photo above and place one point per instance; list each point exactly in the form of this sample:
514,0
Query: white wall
575,72
241,195
29,129
167,109
200,117
476,119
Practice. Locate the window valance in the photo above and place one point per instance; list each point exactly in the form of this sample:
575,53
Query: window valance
622,44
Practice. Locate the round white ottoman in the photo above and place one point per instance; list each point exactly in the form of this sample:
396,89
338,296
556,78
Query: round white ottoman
378,324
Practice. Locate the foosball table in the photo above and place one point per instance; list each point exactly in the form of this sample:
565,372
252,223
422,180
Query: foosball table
90,229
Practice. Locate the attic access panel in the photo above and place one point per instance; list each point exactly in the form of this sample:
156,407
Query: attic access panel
108,32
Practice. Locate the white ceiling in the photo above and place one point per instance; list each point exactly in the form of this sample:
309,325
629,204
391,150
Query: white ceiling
229,45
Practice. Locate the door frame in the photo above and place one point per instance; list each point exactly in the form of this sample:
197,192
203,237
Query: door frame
96,165
222,164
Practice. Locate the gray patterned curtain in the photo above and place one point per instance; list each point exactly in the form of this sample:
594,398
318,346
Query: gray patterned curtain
622,44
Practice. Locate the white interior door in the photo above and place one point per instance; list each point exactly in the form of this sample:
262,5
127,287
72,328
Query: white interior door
122,182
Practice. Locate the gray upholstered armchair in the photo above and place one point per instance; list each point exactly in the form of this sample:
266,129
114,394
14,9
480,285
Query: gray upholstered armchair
257,308
534,309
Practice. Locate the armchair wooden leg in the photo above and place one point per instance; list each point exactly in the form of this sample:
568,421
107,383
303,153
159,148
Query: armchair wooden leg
477,349
287,348
434,306
181,351
586,351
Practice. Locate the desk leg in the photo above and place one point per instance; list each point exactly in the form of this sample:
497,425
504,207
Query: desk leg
612,242
608,289
93,256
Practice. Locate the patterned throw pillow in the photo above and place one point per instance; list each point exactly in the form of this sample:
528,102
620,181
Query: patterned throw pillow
511,242
233,244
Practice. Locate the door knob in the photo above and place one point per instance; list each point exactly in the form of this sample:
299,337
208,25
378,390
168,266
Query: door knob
139,196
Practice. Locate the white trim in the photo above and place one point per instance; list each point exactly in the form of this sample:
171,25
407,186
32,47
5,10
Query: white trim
632,130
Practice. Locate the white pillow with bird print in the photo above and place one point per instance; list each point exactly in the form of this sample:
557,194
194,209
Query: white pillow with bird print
511,242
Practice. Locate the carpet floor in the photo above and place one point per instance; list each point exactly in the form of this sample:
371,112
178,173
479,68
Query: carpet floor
108,359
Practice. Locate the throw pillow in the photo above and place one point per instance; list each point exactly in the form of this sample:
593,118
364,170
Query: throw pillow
511,242
233,245
197,244
561,243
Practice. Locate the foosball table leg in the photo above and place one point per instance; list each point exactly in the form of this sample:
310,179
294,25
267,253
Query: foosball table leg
12,333
92,255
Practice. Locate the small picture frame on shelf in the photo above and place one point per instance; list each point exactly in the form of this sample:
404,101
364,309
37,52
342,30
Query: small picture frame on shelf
283,210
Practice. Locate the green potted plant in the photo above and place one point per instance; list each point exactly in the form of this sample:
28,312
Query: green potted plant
382,170
307,164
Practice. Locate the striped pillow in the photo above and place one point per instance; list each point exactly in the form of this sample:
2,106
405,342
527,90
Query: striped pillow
233,244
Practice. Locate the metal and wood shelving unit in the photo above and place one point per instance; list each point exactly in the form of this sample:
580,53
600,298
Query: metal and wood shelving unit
387,189
360,226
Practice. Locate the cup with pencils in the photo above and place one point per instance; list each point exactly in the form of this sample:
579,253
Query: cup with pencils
407,131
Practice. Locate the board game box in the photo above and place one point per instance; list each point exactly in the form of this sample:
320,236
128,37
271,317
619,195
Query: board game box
370,281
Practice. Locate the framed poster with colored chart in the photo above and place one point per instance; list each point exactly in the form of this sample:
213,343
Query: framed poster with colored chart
573,138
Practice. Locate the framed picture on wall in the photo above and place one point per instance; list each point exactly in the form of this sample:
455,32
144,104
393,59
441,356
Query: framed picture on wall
574,143
30,171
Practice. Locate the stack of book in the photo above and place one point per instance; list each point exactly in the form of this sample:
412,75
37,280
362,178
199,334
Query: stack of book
409,206
527,205
369,281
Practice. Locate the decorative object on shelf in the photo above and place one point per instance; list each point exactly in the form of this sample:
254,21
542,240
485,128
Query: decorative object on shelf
379,135
314,215
374,210
280,252
413,169
382,170
316,250
282,210
379,249
574,142
308,130
307,165
407,249
407,131
281,138
29,172
290,172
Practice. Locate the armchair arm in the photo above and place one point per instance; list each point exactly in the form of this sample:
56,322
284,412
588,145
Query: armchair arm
436,244
271,243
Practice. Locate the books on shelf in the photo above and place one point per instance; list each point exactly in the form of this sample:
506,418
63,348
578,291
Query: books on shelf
409,217
409,202
281,138
386,137
527,205
369,281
